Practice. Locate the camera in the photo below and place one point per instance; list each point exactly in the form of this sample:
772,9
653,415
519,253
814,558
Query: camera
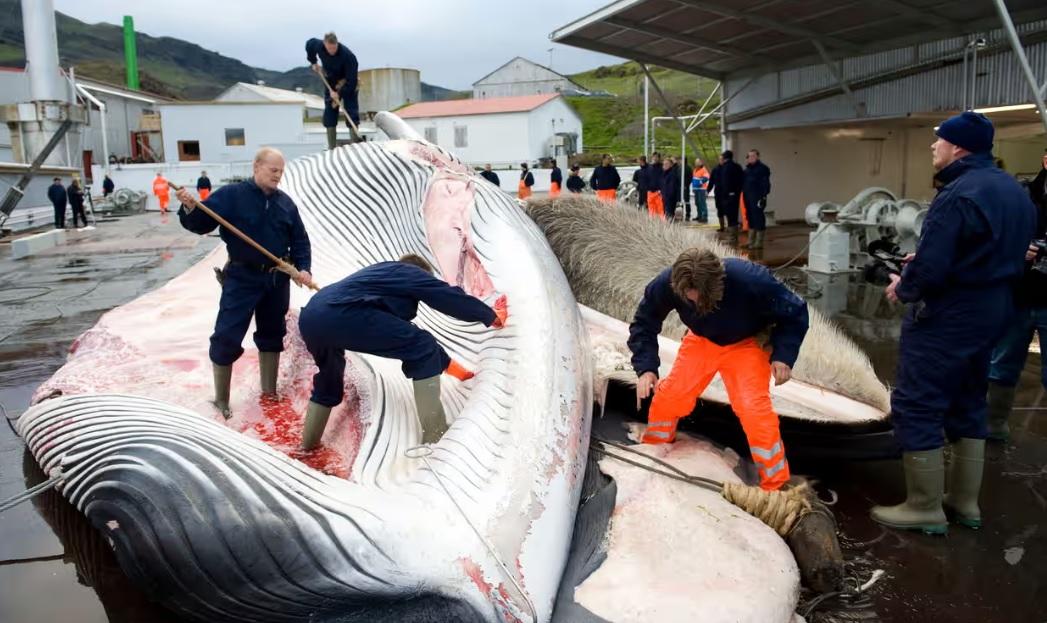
886,260
1039,263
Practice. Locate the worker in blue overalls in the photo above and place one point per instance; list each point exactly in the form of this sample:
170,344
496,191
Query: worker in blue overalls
339,66
251,284
370,311
960,286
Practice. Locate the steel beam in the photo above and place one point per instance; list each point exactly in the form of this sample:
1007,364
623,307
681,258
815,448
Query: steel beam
1019,51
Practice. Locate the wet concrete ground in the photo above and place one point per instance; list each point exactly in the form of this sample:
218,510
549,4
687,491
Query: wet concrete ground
53,566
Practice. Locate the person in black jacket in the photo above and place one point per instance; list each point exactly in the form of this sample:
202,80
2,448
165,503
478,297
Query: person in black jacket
756,187
670,187
575,183
203,186
555,181
653,179
490,176
56,193
605,180
640,179
727,178
76,202
108,186
340,67
1008,358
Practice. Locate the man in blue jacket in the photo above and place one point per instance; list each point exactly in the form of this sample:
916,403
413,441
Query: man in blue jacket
340,67
670,187
57,195
251,284
755,188
727,179
959,285
725,305
370,311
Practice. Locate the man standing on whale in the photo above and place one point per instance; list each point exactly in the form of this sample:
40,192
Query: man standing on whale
251,284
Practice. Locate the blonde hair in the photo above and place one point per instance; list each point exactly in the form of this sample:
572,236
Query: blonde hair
330,38
699,269
265,152
417,260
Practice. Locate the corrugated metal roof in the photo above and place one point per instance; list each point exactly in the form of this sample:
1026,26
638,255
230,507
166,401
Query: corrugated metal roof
720,38
282,95
486,106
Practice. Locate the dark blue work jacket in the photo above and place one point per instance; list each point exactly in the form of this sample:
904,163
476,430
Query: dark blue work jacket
270,220
340,66
753,300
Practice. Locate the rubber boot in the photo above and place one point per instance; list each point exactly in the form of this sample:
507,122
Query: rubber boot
223,376
732,236
924,485
430,410
720,218
315,423
1001,401
757,240
332,137
965,482
268,367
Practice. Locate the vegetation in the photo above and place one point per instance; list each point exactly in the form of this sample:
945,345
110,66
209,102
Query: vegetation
614,124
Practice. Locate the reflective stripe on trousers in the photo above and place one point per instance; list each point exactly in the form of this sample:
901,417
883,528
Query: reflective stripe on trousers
746,372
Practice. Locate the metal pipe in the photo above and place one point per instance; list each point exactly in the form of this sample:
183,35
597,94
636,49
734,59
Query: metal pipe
103,115
668,105
974,75
966,73
41,50
646,118
838,76
702,109
130,52
1016,44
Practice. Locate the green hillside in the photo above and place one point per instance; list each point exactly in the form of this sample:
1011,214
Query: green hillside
166,66
615,124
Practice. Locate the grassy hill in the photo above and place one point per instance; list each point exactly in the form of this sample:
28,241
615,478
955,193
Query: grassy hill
615,124
166,66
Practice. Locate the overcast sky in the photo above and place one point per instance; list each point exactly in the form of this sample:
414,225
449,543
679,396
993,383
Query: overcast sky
452,42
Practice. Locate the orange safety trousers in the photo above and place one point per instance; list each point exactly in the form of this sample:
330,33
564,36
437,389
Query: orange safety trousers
745,368
607,196
554,189
655,207
164,199
523,191
205,193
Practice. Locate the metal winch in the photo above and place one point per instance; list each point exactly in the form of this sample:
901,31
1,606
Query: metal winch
841,242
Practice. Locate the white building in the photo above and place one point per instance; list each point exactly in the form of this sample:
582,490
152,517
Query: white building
247,92
523,77
502,131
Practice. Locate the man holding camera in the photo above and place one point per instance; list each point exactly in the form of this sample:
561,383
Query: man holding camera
1009,357
959,284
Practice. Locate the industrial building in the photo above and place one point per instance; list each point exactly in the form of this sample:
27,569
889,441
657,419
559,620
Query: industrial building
501,131
840,96
247,92
523,77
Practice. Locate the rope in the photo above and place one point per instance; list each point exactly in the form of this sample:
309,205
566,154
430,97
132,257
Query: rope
800,254
30,493
780,510
423,452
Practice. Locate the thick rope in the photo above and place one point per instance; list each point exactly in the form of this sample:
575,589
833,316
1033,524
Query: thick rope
30,493
778,509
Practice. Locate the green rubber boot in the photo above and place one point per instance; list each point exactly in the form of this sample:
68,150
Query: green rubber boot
1001,401
430,410
924,485
965,481
223,377
757,240
332,138
268,366
732,236
315,423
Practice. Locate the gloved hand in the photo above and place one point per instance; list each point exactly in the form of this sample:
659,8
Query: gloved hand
501,312
456,370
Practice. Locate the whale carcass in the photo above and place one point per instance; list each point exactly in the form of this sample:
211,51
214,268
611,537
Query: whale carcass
219,521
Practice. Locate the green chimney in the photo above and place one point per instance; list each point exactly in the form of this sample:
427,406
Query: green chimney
130,53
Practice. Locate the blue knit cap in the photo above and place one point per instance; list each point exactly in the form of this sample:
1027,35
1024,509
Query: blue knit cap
969,130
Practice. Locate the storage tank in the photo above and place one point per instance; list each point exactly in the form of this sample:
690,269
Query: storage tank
388,88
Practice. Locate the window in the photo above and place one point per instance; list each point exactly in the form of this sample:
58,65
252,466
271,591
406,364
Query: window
234,136
188,151
430,135
461,136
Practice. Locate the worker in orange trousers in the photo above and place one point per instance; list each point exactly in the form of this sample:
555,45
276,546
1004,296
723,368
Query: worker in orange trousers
523,189
162,191
725,304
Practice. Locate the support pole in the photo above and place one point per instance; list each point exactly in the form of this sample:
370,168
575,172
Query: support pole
130,53
1016,44
646,117
837,75
669,107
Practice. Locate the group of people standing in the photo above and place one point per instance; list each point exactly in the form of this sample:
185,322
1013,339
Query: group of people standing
62,198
